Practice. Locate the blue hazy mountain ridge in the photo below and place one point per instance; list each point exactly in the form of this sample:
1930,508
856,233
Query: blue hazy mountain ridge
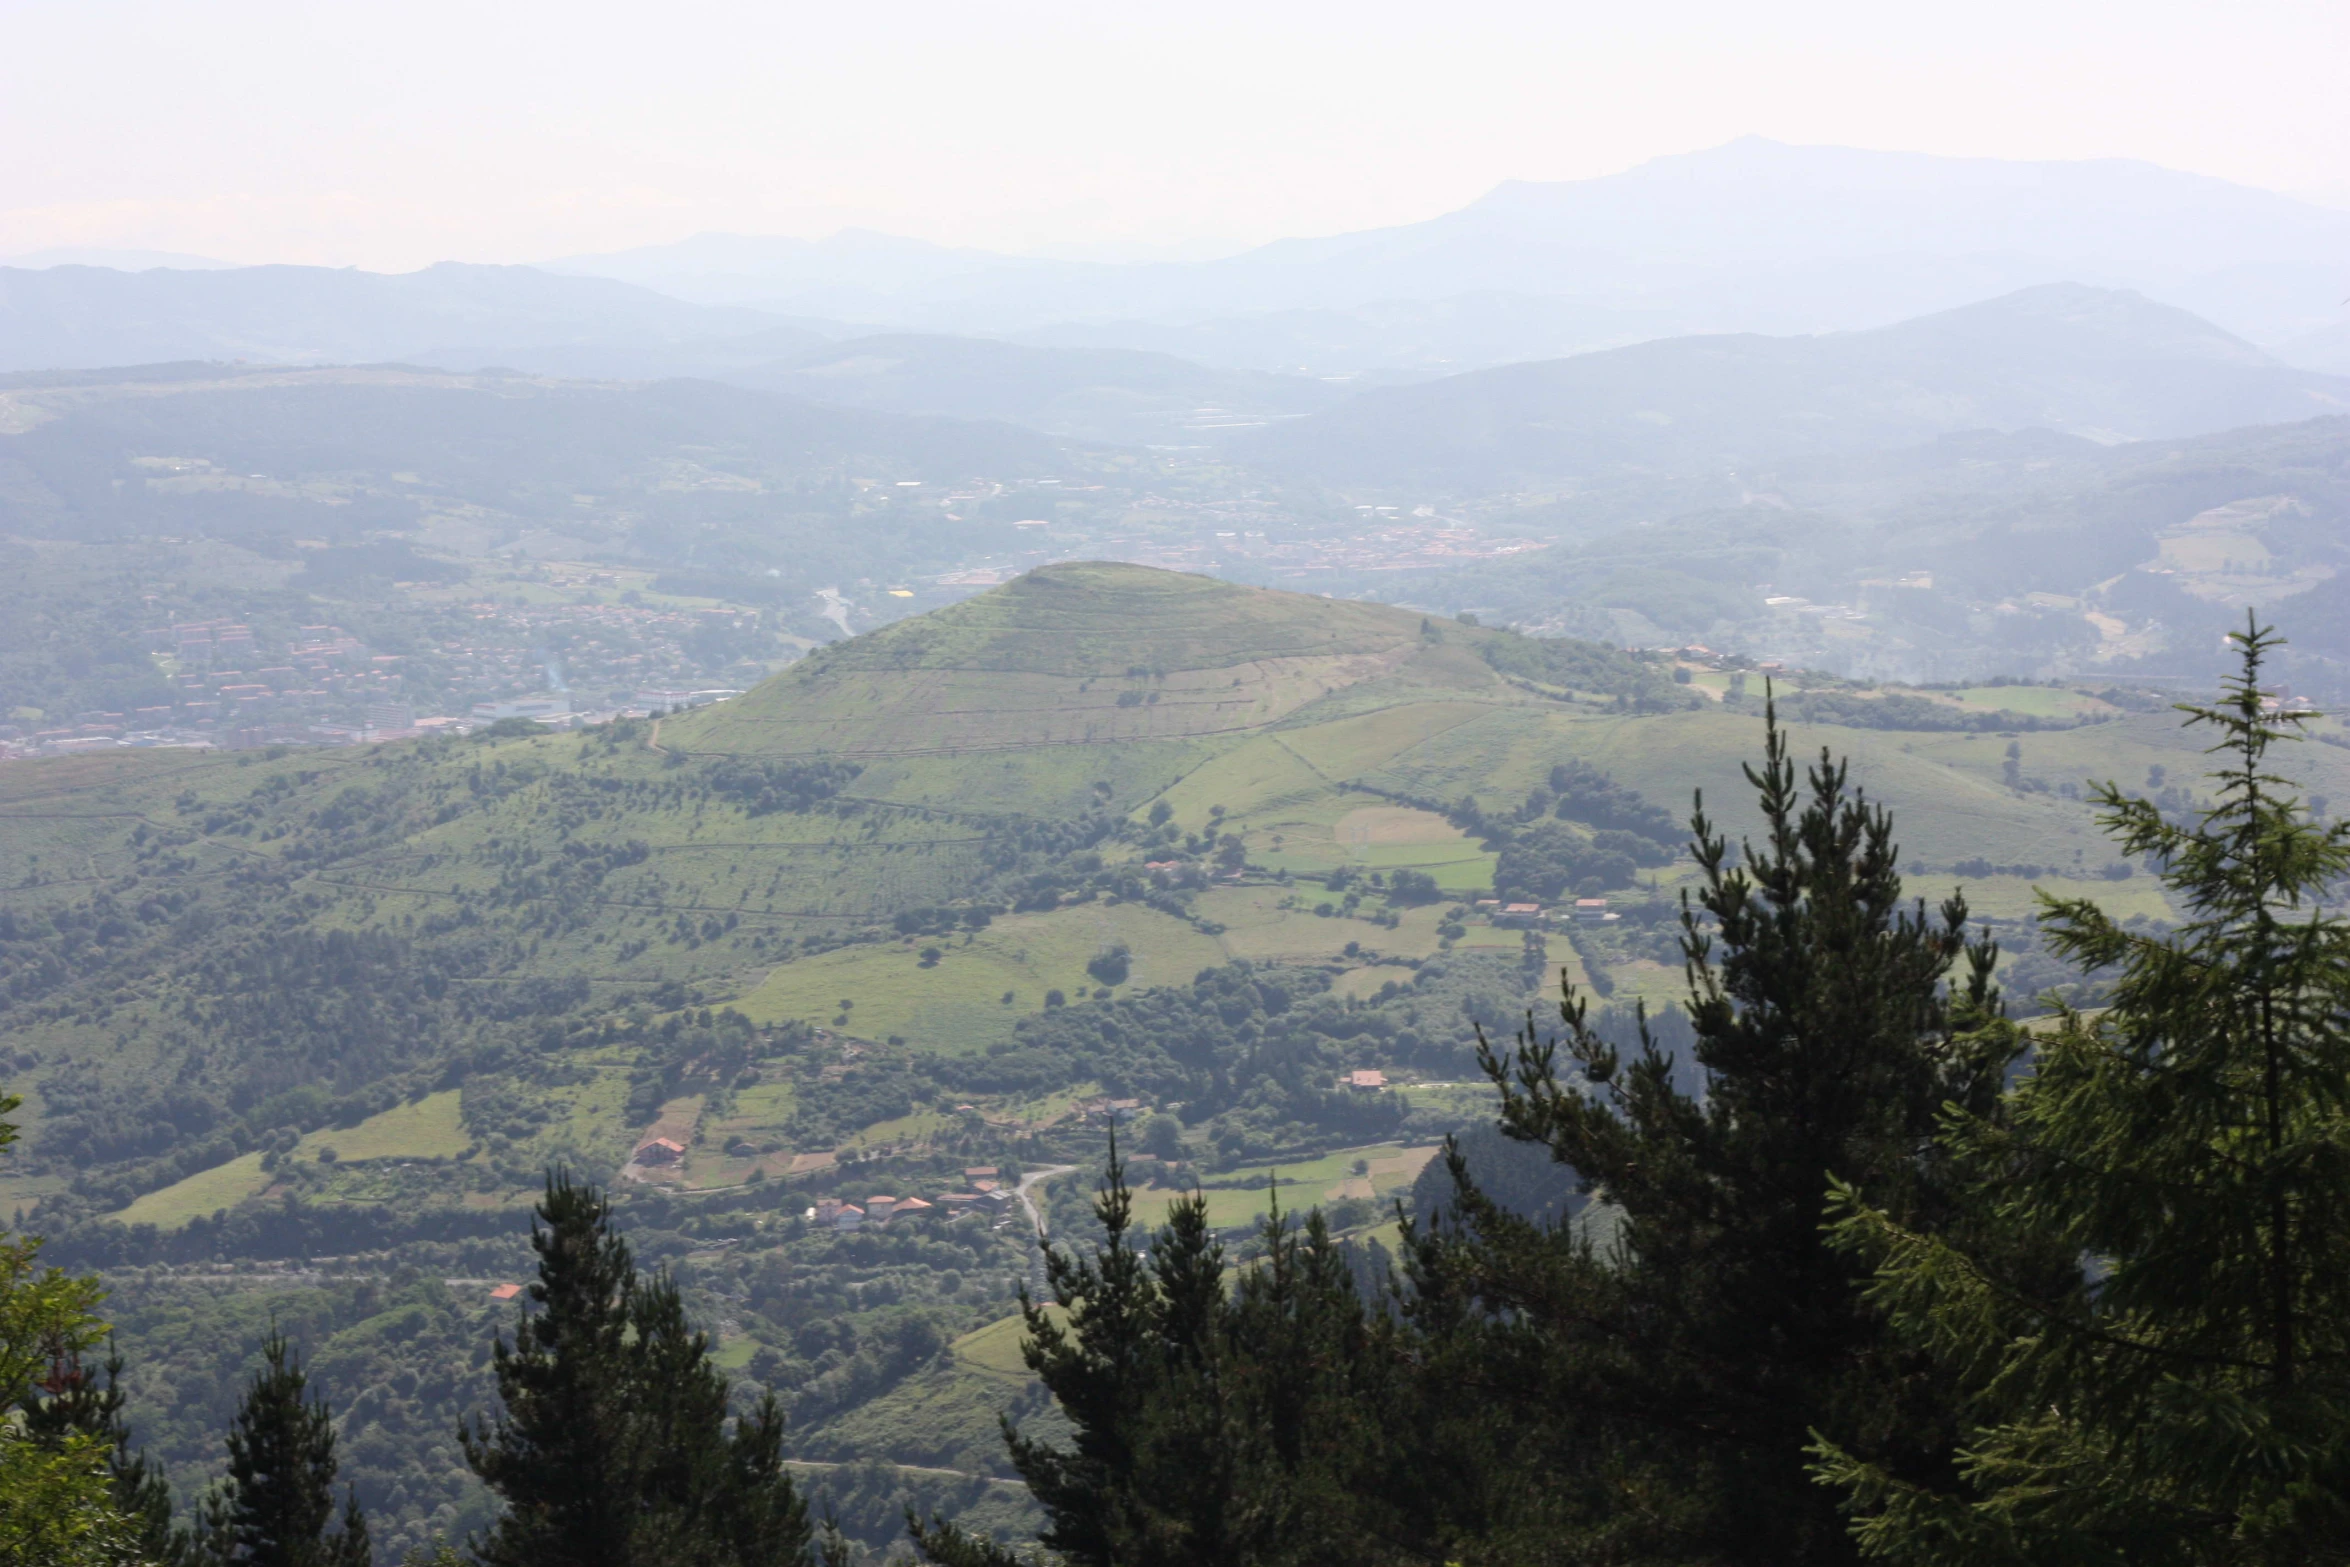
1101,394
2104,363
455,315
1754,235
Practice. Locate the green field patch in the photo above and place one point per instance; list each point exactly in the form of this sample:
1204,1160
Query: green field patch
2032,701
1491,938
1255,777
1645,979
205,1192
2016,897
903,1131
1257,928
996,1347
426,1128
1350,747
735,1353
1306,1184
1394,837
957,1003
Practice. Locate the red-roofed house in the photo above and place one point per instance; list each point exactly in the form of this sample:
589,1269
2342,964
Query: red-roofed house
1366,1079
505,1292
660,1150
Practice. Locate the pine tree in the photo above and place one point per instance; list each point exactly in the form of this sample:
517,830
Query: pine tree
1214,1426
274,1506
560,1455
74,1403
614,1446
2183,1394
1654,1397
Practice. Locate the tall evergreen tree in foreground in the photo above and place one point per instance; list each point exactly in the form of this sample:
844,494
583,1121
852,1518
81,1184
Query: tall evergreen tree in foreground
2183,1395
1216,1424
613,1448
1652,1398
274,1507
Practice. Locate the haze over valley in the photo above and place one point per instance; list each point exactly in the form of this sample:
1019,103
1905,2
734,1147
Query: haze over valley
894,632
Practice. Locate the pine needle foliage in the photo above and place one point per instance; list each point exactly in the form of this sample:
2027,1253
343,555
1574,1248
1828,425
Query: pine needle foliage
614,1446
1216,1424
1658,1393
2182,1393
275,1505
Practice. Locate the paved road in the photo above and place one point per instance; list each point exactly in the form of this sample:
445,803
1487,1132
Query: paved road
1036,1279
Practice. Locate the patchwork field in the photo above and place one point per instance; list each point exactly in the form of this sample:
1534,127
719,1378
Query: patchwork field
981,982
1367,1173
1017,734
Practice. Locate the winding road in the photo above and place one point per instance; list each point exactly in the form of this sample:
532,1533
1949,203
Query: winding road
1034,1178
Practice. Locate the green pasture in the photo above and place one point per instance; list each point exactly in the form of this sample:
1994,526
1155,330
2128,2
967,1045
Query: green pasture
425,1128
996,1347
1303,1185
956,1004
205,1192
1257,928
2032,701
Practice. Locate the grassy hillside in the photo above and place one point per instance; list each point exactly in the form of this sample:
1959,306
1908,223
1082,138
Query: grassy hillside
916,905
911,839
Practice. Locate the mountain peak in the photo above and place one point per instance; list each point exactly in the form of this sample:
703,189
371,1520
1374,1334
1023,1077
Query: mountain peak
1084,654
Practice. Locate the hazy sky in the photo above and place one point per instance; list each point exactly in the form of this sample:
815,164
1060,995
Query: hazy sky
390,136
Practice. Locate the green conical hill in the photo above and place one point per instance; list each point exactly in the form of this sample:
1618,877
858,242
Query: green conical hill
1088,653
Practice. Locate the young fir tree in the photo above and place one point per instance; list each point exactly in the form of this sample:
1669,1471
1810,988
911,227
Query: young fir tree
1214,1426
613,1448
1654,1398
72,1404
274,1507
2182,1394
560,1454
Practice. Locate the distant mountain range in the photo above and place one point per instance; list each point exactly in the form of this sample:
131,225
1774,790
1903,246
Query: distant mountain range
1754,236
2107,364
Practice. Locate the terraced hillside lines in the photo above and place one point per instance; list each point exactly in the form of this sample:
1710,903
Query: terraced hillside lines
1258,775
1090,618
1353,746
1086,655
1036,783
